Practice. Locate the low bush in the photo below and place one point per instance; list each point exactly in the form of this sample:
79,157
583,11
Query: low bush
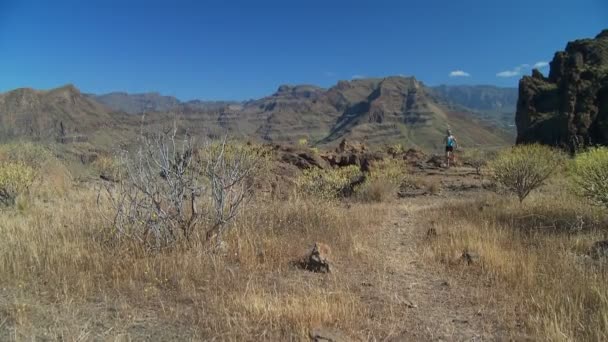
108,167
327,183
383,181
15,178
28,153
171,189
589,174
524,168
476,158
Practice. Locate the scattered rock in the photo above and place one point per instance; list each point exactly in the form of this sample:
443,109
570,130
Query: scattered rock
317,259
409,304
302,159
470,257
354,147
321,334
436,161
599,250
483,206
313,159
414,155
349,189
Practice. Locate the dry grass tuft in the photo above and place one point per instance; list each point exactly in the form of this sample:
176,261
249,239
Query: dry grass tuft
535,255
428,185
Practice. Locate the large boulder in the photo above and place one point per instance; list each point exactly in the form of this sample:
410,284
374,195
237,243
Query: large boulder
569,108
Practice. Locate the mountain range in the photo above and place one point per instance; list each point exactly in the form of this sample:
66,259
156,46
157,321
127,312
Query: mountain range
373,111
153,102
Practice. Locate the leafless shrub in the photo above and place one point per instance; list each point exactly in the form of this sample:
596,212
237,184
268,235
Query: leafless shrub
477,159
169,188
229,170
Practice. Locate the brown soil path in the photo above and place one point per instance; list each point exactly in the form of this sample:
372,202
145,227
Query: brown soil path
421,301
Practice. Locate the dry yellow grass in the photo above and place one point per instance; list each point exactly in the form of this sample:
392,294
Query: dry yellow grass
61,279
533,256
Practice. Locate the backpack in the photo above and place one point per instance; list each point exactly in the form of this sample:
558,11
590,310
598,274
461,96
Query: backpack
450,141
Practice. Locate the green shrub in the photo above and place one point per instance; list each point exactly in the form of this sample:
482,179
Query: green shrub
15,178
395,149
326,183
28,153
589,173
524,168
383,181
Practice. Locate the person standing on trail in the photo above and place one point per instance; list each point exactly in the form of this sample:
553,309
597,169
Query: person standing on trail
450,145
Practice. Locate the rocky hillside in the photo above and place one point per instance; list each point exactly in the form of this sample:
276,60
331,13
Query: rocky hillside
62,114
570,107
373,111
153,102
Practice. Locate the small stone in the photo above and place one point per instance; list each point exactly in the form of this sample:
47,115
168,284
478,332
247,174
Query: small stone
317,259
470,257
409,304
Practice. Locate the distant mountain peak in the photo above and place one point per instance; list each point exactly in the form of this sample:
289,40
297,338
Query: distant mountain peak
137,103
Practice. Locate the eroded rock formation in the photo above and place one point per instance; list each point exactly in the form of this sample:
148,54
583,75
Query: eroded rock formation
569,108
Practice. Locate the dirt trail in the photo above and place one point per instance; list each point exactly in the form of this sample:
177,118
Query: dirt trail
425,303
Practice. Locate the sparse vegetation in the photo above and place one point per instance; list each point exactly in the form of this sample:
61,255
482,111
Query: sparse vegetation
172,189
109,167
15,178
57,258
476,158
383,181
26,152
327,183
523,168
20,165
589,173
533,257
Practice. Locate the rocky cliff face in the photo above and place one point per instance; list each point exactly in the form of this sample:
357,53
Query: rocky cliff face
569,108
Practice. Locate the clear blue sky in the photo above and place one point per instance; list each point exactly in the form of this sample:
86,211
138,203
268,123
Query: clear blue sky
246,49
